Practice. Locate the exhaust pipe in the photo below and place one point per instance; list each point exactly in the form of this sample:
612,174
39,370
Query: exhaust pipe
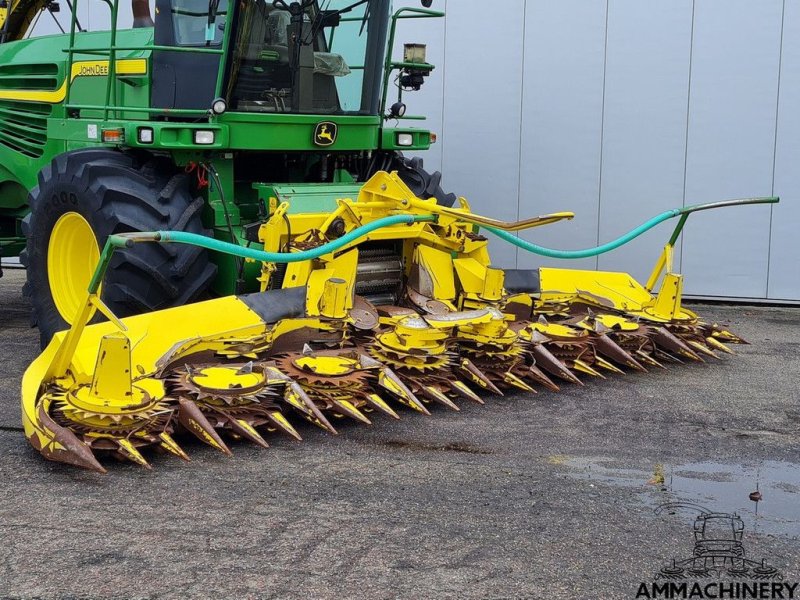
141,13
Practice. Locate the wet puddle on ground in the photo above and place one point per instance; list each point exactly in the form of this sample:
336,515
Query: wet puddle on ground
719,487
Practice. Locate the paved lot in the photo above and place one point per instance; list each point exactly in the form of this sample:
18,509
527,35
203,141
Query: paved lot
541,496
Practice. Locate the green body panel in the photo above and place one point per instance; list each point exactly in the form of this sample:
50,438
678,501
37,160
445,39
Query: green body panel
307,198
241,131
33,130
253,131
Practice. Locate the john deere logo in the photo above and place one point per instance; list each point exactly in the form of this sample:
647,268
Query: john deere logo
325,133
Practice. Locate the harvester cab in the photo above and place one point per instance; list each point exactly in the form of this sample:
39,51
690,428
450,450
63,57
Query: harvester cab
284,58
222,233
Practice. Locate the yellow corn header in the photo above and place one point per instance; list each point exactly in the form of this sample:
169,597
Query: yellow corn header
388,303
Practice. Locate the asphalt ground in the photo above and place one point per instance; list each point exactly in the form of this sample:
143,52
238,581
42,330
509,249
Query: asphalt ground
529,496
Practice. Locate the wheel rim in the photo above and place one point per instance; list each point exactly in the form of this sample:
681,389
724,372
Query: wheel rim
72,256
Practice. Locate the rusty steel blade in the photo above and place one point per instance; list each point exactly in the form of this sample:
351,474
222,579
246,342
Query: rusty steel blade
671,343
389,381
721,333
467,368
515,381
548,362
276,418
581,366
378,403
716,344
646,358
171,446
67,447
345,408
194,421
666,356
433,394
126,448
313,414
702,349
461,388
604,364
610,349
247,431
536,375
295,396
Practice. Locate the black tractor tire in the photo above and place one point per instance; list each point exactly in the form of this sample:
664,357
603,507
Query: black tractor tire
116,192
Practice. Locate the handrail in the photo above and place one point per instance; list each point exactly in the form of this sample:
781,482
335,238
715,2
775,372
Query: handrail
407,12
110,106
190,112
71,51
223,64
105,49
111,84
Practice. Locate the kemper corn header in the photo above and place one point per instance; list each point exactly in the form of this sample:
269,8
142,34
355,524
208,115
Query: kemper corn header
223,235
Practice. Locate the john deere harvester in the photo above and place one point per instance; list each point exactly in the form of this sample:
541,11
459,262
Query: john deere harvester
221,235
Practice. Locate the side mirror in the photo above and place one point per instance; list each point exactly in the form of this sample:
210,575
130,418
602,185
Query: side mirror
330,18
427,3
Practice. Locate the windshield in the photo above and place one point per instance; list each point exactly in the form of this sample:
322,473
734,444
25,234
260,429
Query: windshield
320,61
190,22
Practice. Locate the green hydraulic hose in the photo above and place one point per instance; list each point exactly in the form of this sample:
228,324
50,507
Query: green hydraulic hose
126,240
587,252
181,237
634,233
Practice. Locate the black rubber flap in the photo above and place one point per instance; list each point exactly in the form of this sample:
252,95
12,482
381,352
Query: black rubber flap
522,280
274,305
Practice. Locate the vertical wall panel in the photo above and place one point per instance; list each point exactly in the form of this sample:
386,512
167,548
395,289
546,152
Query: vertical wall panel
481,136
733,95
644,141
784,267
429,101
561,124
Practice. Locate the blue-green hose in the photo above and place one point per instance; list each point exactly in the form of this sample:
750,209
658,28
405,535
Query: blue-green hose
181,237
613,245
124,240
633,234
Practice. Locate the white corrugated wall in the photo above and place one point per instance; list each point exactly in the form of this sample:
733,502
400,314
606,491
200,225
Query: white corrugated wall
618,110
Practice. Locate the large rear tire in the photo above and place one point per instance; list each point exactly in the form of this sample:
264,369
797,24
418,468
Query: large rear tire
82,198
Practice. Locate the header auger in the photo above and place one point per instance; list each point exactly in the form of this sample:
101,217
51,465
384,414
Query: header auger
448,329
